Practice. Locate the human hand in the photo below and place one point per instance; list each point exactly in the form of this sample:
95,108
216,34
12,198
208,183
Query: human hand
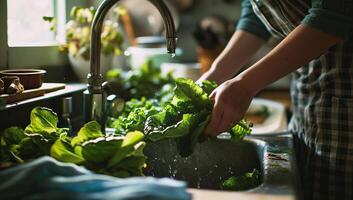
231,101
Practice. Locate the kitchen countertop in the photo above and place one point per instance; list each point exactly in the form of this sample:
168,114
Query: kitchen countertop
69,89
198,194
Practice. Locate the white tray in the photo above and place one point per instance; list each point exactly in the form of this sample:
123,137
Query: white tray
276,122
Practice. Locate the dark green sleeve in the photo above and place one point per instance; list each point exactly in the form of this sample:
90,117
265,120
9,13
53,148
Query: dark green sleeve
249,22
334,17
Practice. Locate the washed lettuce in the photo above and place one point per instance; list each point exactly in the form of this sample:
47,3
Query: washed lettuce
240,130
44,122
134,115
36,140
243,182
16,146
12,135
120,156
187,88
144,81
193,107
64,152
183,117
155,130
91,130
208,86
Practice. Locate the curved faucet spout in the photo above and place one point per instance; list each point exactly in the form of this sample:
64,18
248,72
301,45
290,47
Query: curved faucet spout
93,96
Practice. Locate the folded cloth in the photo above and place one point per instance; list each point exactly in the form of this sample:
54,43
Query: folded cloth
46,178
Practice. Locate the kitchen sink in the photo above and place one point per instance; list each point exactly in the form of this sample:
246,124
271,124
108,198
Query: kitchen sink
211,163
215,160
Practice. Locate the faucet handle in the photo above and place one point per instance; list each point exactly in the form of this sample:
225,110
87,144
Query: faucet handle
114,103
95,82
114,106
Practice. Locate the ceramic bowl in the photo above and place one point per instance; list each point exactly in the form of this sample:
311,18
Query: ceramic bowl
29,78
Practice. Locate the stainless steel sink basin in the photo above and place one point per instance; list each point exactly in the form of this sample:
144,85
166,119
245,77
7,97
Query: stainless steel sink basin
212,162
215,160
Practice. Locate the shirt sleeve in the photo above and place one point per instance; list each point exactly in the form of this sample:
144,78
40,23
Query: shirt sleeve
334,17
249,22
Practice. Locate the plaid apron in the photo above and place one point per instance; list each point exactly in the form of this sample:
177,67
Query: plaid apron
322,103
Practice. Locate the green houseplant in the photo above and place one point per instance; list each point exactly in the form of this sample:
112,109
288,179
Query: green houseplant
77,35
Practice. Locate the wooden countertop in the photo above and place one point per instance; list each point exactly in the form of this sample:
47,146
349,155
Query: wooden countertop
68,89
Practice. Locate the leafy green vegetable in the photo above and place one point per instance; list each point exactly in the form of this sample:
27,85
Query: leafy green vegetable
91,130
16,146
64,152
113,155
194,92
131,146
244,182
145,81
134,116
43,121
156,132
263,111
186,145
12,135
43,129
208,86
100,150
239,131
110,155
183,115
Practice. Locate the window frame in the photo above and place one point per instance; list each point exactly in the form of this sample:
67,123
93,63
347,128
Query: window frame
33,56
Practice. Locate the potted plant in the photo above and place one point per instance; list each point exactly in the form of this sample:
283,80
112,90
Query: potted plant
77,35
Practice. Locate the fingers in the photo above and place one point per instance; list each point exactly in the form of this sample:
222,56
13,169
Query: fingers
216,118
227,122
213,97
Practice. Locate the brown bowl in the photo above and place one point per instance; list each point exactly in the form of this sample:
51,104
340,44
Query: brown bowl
29,78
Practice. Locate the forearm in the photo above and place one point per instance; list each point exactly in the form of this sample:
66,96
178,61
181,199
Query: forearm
298,48
239,50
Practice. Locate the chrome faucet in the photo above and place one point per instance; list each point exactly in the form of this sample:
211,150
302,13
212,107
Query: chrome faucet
94,97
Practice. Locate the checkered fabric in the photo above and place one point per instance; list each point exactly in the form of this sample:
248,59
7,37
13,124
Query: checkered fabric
322,103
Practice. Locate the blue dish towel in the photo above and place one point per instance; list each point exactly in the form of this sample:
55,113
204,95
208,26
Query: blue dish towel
46,178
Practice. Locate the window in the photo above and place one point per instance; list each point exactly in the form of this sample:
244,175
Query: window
21,19
26,39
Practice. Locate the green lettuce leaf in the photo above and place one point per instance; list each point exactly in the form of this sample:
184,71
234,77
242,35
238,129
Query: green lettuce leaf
17,146
243,182
194,92
43,121
208,86
64,152
100,150
12,135
176,130
239,131
132,145
91,130
198,123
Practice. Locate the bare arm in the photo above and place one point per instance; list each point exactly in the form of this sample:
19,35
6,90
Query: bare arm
233,97
298,48
239,50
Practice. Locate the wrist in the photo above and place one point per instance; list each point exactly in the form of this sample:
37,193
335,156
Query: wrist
212,75
248,82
